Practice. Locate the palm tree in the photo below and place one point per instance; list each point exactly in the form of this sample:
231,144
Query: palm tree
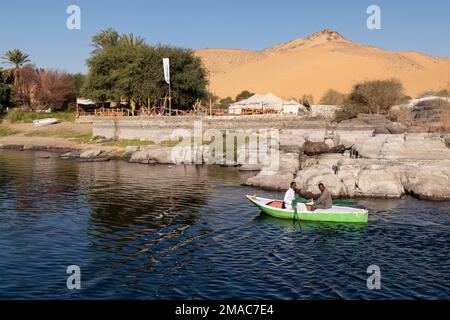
105,39
131,40
16,57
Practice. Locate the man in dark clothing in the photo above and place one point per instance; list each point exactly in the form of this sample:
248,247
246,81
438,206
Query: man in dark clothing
324,201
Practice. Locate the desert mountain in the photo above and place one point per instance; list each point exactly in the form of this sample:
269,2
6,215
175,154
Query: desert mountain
318,62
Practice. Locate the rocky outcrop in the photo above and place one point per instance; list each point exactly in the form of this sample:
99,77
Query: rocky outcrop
129,150
419,146
271,180
379,179
388,166
69,155
153,154
94,155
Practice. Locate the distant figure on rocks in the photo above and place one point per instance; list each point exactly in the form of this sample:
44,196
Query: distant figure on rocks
335,169
324,201
354,153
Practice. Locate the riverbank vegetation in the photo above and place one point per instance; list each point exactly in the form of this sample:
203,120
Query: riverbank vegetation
122,68
26,87
19,115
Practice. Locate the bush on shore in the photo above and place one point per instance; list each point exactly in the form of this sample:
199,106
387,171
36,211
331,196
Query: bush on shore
349,111
374,97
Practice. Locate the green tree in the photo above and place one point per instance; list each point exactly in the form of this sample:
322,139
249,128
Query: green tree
225,102
78,80
17,58
378,95
105,39
131,69
244,95
5,91
375,97
210,96
131,40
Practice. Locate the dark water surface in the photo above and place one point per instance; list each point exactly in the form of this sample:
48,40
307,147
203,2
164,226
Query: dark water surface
161,232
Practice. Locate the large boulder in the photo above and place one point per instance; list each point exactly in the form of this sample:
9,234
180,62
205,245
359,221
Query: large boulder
381,130
271,180
315,148
396,128
379,183
307,180
431,182
91,154
289,162
429,109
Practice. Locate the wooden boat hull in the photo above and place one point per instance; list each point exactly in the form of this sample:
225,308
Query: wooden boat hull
335,214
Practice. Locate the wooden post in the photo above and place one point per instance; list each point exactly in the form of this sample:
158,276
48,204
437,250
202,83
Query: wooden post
170,106
210,107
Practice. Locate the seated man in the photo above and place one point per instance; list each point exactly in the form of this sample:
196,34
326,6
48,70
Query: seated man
324,201
289,196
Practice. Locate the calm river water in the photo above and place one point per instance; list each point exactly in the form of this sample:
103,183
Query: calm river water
186,232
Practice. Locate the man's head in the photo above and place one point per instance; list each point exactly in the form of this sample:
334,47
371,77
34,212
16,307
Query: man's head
321,187
293,185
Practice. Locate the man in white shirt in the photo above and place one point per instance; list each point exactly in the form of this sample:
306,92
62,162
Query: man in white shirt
290,196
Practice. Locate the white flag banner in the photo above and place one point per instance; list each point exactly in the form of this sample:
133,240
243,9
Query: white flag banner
166,65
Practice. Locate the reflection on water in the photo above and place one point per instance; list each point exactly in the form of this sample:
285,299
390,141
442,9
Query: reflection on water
166,232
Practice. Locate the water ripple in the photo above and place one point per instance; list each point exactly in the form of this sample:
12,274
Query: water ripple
186,232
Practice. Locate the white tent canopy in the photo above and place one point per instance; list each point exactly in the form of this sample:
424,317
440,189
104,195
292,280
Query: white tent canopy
85,101
267,101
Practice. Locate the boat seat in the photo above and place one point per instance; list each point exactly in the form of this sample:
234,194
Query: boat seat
276,204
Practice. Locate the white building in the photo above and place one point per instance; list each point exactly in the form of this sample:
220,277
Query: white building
265,102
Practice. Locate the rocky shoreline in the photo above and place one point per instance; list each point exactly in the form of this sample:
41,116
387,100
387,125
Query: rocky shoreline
387,166
354,159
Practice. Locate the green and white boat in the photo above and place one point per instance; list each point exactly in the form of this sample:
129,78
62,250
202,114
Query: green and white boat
334,214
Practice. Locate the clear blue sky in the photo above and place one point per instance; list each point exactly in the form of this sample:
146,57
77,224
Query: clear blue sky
39,27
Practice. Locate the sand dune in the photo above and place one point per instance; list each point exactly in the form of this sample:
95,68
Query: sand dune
316,63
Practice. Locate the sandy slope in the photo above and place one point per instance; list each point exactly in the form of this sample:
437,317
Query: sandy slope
318,62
